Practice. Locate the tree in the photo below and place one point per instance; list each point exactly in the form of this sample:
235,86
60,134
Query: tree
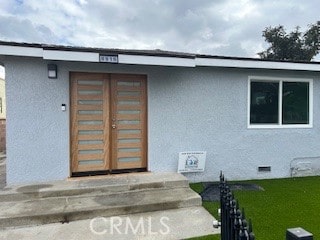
294,46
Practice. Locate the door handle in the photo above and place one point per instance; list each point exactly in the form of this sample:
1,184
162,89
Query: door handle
113,126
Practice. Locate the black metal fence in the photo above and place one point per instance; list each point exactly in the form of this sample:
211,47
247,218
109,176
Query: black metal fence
234,225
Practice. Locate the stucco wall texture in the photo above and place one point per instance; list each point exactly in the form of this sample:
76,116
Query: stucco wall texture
189,109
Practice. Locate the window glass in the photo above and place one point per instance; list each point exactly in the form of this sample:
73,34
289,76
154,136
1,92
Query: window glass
264,107
295,103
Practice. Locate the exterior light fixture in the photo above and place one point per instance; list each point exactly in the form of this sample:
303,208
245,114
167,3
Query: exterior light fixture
52,71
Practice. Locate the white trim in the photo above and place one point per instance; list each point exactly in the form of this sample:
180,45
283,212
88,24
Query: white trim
83,56
280,80
284,79
156,60
236,63
311,102
70,56
21,51
248,102
277,126
280,100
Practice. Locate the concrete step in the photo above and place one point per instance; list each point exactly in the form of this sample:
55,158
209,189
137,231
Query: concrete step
94,186
70,208
182,223
2,156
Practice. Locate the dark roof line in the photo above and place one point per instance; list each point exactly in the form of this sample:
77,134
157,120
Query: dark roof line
252,59
156,52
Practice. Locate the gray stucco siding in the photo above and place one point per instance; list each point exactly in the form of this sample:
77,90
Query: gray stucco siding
201,108
37,130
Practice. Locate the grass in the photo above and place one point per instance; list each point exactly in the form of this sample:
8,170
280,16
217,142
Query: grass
284,203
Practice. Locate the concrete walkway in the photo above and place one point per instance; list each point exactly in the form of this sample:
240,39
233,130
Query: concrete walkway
170,224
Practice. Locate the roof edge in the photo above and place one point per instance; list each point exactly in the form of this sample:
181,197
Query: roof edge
252,59
156,52
149,57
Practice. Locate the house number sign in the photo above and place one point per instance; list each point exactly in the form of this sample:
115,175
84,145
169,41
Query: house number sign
108,58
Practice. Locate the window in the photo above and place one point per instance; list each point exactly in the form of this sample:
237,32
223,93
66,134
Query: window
279,102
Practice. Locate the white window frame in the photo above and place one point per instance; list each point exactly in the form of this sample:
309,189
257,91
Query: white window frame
280,80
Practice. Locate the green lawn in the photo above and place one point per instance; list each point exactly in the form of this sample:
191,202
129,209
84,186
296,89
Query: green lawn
284,203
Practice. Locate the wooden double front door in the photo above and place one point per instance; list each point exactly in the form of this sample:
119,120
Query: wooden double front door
108,122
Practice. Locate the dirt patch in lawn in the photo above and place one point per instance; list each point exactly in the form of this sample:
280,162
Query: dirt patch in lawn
211,191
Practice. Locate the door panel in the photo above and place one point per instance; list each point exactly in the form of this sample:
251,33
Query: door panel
90,120
108,122
128,121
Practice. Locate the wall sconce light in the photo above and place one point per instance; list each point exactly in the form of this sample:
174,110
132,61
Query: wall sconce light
52,71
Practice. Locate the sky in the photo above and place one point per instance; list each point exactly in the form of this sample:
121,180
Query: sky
215,27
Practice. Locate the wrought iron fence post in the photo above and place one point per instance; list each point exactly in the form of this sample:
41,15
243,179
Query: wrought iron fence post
243,227
234,225
251,234
228,206
222,206
233,211
237,222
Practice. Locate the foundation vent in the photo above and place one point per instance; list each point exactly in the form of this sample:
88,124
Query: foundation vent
264,169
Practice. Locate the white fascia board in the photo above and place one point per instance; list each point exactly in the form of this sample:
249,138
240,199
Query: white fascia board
70,56
21,51
156,60
214,62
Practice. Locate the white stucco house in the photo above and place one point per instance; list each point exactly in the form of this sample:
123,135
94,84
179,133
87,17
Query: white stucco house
74,111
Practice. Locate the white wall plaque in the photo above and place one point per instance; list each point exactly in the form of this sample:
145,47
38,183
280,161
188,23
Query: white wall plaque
193,161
